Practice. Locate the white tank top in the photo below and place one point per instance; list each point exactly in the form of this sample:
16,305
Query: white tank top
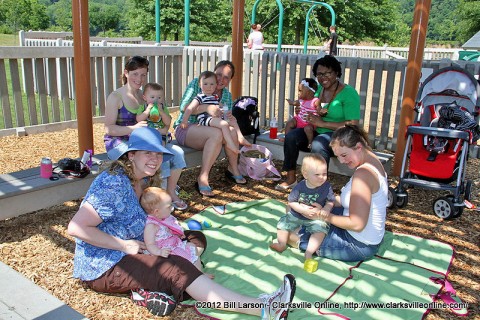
257,40
375,228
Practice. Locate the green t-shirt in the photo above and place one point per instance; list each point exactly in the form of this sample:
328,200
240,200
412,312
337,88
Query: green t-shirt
344,107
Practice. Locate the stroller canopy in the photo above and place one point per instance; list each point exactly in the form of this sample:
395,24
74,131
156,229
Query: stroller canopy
451,78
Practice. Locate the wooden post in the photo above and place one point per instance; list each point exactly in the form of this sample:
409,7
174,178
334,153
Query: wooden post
237,47
412,76
81,58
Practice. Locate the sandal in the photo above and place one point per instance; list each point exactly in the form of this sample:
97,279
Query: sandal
279,187
180,205
204,190
237,179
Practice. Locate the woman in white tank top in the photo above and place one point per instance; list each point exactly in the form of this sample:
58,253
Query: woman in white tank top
357,227
255,39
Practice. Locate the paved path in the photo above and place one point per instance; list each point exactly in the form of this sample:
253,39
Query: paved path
21,299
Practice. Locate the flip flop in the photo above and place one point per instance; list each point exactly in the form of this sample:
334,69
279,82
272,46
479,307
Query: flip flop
180,205
279,187
235,179
204,190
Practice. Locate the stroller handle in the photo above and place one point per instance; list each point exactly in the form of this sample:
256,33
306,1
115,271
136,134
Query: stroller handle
439,132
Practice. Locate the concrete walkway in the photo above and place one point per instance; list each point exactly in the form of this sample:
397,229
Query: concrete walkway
21,299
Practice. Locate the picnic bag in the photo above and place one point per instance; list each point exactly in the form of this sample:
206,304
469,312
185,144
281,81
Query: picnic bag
256,162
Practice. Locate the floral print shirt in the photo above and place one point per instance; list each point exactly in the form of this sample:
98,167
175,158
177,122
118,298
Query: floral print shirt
114,199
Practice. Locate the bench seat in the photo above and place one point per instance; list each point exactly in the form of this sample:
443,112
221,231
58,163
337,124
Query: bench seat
25,191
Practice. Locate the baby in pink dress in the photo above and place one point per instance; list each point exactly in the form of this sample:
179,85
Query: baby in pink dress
163,235
306,103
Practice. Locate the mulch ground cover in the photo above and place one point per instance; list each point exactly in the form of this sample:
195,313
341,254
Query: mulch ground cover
37,245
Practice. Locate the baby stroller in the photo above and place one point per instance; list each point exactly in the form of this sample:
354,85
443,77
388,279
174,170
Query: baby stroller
437,144
245,110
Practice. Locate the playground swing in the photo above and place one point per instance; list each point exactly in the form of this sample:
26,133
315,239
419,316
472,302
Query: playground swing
316,30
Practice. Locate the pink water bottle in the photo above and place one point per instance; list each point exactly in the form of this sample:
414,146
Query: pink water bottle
273,128
46,168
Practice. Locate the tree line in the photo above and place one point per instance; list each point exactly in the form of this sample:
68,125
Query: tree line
451,22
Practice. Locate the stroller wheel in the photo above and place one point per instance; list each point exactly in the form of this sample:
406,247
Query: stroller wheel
443,207
402,200
392,198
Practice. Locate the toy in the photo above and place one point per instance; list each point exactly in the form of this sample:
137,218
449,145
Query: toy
207,224
154,114
194,225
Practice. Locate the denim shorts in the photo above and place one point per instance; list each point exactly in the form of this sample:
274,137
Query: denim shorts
339,245
176,162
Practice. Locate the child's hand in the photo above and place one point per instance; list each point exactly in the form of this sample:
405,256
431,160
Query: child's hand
322,112
165,252
316,209
323,214
297,110
183,125
140,124
290,102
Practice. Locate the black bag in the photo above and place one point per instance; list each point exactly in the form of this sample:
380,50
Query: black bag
71,168
245,110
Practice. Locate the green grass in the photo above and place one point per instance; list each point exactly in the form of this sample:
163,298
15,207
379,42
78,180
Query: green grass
9,40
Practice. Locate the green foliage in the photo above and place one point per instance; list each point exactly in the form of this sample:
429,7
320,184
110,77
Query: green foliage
22,14
468,25
378,21
103,17
60,14
207,22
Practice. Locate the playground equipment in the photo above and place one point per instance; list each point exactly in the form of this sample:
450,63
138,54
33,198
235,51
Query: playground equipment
307,19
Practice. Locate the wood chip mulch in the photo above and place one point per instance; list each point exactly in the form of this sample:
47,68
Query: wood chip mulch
37,245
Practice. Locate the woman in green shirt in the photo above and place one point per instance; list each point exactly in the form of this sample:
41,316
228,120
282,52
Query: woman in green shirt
342,103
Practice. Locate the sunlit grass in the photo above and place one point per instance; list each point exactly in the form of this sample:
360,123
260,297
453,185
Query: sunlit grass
9,40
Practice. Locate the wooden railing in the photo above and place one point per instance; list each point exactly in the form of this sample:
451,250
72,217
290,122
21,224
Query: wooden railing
40,87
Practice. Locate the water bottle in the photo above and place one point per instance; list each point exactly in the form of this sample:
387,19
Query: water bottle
273,128
225,110
154,114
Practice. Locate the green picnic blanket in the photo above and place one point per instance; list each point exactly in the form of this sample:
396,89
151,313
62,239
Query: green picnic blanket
393,285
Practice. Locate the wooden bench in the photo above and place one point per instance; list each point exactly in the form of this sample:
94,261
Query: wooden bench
25,191
276,147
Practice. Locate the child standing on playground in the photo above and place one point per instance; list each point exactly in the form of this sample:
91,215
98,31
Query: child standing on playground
208,84
306,103
163,235
310,199
156,113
